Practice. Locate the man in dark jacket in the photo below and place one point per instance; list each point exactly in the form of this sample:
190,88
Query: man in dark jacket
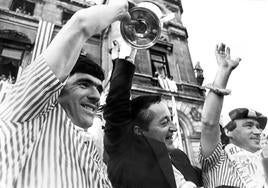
139,137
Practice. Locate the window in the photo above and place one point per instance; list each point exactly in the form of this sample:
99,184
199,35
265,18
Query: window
23,6
10,60
159,63
66,15
12,53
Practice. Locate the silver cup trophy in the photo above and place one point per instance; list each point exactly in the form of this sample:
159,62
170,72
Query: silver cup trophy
144,28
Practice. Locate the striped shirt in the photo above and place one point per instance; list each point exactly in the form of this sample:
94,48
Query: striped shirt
218,170
39,145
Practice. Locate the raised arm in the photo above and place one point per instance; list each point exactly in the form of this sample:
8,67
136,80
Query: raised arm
117,111
64,50
38,88
210,135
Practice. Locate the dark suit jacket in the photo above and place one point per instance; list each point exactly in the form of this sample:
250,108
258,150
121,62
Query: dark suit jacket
136,161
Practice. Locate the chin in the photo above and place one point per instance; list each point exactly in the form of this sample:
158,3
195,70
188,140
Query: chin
255,148
86,123
258,147
170,147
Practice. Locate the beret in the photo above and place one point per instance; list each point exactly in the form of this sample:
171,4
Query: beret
242,113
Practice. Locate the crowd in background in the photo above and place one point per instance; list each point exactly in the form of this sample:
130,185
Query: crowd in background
5,84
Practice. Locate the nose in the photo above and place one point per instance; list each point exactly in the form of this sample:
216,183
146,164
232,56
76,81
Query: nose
172,127
256,130
93,95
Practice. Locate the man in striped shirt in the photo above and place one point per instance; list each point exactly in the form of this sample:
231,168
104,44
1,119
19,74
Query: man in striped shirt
238,164
43,142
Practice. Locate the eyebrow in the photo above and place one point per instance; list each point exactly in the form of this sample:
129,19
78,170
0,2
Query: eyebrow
86,80
251,123
248,123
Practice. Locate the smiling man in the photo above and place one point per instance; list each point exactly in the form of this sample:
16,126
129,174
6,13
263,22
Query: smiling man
245,128
139,136
237,162
242,136
43,119
81,94
160,127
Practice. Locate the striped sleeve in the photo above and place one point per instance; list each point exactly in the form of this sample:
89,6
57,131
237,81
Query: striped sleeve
33,94
212,160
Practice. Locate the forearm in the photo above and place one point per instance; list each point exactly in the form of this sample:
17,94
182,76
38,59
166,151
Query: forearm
117,109
64,50
213,104
117,112
210,136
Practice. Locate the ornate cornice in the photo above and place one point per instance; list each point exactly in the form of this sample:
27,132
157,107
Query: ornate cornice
79,3
176,2
15,36
155,90
176,29
163,45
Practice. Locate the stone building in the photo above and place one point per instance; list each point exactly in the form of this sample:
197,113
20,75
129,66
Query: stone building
19,24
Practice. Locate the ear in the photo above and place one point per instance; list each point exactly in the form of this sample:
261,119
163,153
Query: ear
228,133
137,130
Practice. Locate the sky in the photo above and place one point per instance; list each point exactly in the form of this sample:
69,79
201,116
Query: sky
243,26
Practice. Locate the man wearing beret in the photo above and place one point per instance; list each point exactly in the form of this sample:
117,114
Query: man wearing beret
239,162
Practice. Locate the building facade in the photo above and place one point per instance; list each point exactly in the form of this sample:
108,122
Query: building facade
21,30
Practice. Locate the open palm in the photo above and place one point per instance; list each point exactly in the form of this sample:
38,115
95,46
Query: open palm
224,58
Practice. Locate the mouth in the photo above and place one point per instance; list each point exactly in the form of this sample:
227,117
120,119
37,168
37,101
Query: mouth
89,108
169,138
256,139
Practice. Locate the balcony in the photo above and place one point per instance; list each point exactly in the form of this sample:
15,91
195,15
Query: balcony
23,7
83,3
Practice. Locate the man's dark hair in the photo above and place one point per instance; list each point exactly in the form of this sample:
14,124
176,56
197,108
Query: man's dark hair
86,65
139,109
230,127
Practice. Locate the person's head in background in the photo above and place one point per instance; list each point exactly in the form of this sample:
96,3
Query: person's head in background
3,77
81,94
244,129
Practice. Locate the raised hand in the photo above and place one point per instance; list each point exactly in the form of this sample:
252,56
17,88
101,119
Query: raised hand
96,18
224,58
123,9
121,49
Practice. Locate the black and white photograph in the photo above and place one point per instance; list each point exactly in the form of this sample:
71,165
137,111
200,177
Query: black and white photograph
133,94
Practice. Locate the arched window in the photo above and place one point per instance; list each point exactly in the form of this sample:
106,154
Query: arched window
13,45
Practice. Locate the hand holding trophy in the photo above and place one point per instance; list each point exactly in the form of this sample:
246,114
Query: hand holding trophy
144,28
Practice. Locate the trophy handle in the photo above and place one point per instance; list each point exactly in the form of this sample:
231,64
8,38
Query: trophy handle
131,4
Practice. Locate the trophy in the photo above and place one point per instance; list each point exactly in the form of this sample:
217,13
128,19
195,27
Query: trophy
144,28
